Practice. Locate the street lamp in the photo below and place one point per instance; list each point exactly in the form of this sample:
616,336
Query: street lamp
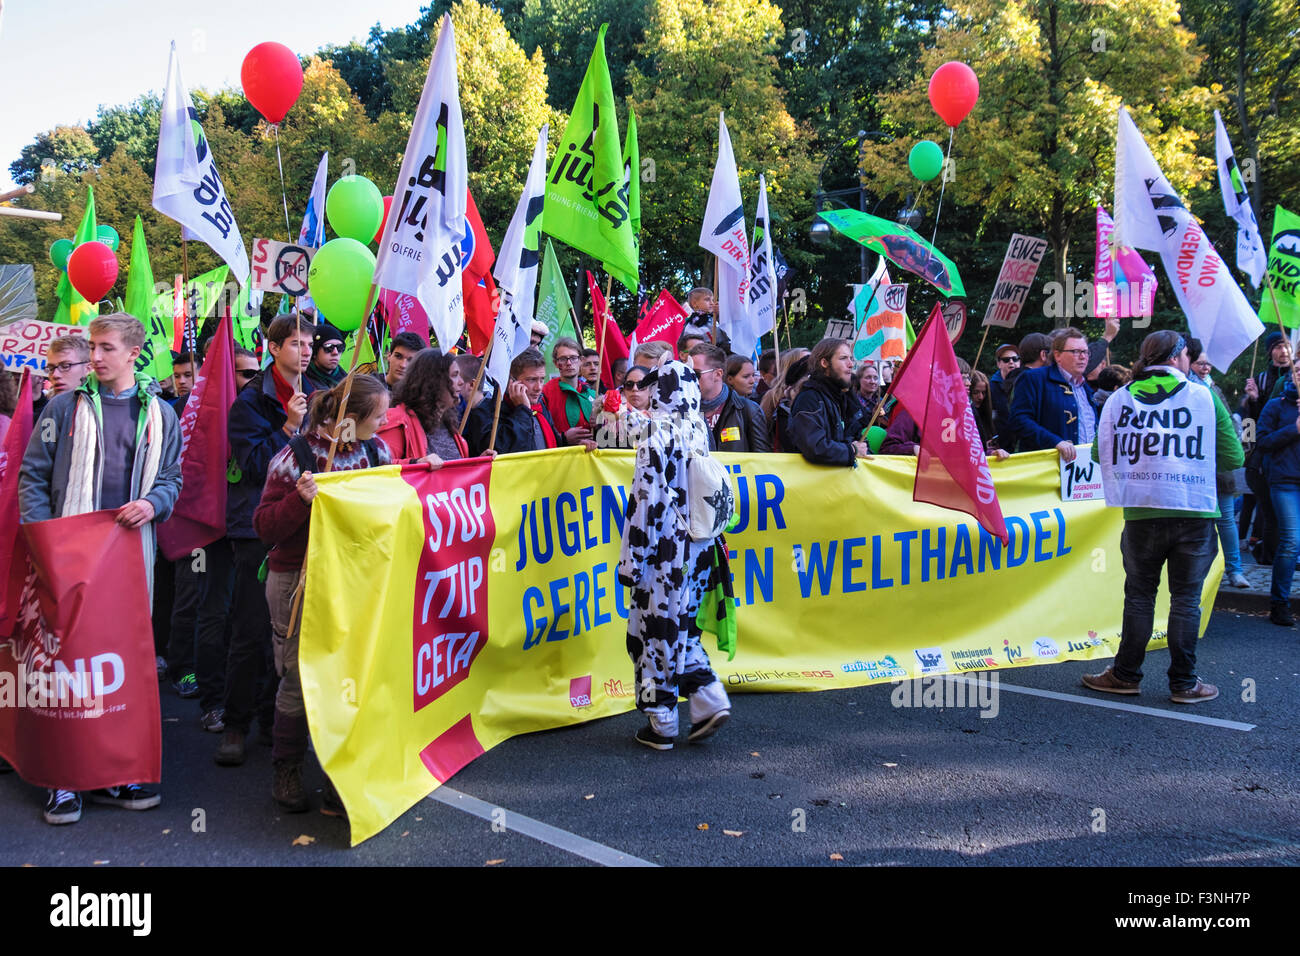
820,232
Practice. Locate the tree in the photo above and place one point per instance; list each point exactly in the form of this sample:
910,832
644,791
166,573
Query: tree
1039,146
134,127
60,151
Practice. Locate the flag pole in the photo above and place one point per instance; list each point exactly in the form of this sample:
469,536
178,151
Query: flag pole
975,364
496,415
478,380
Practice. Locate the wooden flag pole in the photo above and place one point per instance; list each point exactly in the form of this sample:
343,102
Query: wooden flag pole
478,380
978,351
496,416
1254,354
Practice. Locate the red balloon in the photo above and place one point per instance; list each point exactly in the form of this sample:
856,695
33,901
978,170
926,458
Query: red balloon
272,78
953,91
92,270
388,204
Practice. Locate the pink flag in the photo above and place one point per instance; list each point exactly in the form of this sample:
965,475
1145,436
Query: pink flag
663,322
951,470
1124,285
12,565
614,345
199,517
405,314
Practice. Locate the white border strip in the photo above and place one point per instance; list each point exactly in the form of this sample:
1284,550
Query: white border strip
1114,705
554,836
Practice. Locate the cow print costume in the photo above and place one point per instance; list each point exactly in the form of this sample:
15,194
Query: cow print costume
667,571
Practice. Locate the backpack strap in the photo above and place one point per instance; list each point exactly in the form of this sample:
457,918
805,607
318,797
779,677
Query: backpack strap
302,453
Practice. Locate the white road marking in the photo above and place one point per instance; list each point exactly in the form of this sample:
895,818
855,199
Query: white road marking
554,836
1115,705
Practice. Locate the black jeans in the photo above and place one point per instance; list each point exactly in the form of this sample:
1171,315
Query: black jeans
212,628
250,673
1188,547
185,612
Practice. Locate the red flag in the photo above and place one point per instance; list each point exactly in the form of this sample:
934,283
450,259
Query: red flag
178,315
479,291
405,314
951,470
13,569
662,322
85,712
199,517
614,345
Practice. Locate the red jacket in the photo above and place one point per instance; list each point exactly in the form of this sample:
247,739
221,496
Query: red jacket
405,437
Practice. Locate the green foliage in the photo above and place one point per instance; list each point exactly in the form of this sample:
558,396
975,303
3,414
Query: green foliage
62,150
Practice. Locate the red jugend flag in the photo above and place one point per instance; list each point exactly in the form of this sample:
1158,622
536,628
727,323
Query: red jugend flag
614,345
199,517
951,469
477,285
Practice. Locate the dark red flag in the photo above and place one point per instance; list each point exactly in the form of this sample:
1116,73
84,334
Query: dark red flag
479,290
199,517
951,469
663,322
78,687
12,566
614,345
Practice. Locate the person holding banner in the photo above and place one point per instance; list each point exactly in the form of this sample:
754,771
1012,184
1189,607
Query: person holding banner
621,421
567,399
1051,406
1161,442
424,420
281,521
824,418
735,423
110,444
1278,438
667,569
525,423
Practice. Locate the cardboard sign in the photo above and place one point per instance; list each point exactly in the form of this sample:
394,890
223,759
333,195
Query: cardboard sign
882,334
1081,478
23,345
1019,265
281,266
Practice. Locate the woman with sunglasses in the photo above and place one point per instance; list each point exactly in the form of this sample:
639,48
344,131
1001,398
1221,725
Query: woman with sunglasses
621,420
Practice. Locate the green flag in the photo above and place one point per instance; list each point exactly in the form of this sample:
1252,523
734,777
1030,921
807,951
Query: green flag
73,308
367,349
900,245
632,164
586,190
554,307
156,357
1281,300
203,292
248,317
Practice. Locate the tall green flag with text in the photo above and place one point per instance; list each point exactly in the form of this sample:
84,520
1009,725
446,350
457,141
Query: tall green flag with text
1280,302
586,189
156,357
554,307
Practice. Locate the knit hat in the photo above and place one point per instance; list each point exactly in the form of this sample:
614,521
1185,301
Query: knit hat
324,333
1272,339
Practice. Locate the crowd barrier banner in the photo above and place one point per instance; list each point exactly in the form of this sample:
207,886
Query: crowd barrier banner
448,611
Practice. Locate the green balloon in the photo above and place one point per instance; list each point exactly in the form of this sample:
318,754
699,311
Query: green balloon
875,438
60,249
355,208
339,281
925,160
108,236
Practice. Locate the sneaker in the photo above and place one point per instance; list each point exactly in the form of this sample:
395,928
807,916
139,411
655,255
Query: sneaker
132,796
331,805
230,753
706,728
1238,580
286,787
1107,682
1280,614
63,806
646,735
214,721
1202,691
186,687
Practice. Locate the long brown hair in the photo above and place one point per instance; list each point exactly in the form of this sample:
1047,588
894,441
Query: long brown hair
366,394
426,390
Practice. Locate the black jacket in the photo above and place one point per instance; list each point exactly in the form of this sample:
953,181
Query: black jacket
514,430
256,435
824,422
741,426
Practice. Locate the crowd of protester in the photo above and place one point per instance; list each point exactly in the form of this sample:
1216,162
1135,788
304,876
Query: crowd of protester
228,637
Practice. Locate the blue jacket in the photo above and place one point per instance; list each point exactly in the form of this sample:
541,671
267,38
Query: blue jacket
1044,412
1277,437
256,434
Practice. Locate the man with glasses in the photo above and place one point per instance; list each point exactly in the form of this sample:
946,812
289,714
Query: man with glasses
735,423
570,404
1008,360
327,351
1051,406
67,364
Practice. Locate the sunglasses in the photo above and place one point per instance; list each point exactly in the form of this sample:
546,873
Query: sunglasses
1009,358
246,372
638,385
332,349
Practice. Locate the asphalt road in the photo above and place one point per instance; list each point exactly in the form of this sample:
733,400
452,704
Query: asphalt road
833,778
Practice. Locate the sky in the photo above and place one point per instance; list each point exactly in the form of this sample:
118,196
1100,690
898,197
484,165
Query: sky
61,59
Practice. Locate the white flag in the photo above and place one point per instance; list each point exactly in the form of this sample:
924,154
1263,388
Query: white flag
1150,215
420,251
762,282
723,234
312,233
1251,257
516,268
186,186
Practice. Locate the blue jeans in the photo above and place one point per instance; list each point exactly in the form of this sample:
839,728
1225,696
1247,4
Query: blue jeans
1286,513
1186,545
1228,540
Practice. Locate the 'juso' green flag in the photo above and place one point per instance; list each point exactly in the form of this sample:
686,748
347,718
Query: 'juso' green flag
586,190
554,307
1281,299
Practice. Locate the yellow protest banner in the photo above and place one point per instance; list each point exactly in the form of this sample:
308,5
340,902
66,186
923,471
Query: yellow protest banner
448,611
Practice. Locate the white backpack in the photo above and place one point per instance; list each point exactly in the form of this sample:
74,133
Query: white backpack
710,502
